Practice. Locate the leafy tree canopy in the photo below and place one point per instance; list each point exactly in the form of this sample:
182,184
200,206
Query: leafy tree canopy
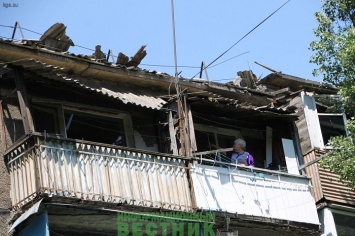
334,54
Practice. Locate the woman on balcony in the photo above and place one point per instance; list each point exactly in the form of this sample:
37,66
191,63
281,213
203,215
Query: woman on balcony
239,155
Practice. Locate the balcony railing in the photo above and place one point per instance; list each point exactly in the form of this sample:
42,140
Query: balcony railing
51,166
76,169
225,187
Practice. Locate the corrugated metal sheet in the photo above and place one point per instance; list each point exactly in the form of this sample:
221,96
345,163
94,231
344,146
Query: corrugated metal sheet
242,192
98,173
327,184
53,73
334,190
312,171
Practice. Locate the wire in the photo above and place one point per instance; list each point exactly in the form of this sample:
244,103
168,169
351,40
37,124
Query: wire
155,65
229,59
93,50
7,26
243,37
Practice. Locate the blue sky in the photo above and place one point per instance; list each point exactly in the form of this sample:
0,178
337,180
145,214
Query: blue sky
204,30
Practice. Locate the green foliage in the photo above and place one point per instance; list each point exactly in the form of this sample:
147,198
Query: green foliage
342,159
334,54
334,51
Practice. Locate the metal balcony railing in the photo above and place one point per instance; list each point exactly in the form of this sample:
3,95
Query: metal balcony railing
225,187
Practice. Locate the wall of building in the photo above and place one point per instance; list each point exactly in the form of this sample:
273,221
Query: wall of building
11,129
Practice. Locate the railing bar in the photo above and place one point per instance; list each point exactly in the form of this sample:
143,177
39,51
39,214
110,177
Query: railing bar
55,185
99,176
27,174
20,155
32,172
69,180
40,169
160,183
14,188
178,187
89,153
93,187
18,180
150,183
72,171
79,163
168,183
129,173
139,180
60,169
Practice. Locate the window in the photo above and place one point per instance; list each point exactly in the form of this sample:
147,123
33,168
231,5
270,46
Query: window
210,137
46,119
95,127
344,224
332,125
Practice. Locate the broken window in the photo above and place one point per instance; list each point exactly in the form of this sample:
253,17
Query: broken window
95,127
332,125
331,116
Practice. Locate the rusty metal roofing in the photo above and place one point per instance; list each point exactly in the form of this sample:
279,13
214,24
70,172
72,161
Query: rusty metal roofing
53,73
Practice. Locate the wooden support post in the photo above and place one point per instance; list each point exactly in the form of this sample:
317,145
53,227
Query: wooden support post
23,101
2,130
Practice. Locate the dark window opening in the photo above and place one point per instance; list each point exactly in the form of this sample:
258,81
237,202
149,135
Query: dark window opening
46,119
344,224
95,128
332,125
205,140
225,141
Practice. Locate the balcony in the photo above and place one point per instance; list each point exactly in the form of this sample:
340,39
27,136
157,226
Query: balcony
48,166
76,169
250,191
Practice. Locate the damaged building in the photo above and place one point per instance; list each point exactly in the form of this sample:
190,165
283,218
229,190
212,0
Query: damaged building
83,139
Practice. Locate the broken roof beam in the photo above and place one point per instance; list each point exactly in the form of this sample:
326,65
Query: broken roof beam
138,57
122,59
281,91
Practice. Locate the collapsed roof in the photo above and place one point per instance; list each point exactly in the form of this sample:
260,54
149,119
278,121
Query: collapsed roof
50,60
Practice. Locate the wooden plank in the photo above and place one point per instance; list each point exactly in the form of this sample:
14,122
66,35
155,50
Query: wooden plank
23,101
290,156
191,130
173,143
287,89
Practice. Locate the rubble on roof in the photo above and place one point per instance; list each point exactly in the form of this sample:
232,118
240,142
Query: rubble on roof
138,57
277,80
245,79
122,59
55,38
98,55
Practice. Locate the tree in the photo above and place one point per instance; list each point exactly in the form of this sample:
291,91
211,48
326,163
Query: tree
334,54
342,159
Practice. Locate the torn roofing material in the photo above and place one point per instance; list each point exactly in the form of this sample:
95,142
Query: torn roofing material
55,38
51,72
295,83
